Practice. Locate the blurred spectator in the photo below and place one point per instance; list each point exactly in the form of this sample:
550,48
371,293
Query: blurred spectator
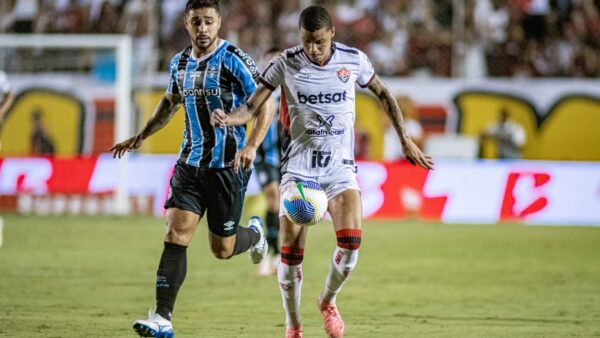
137,21
7,97
523,38
534,21
392,149
68,17
362,144
106,20
509,136
41,143
173,36
24,14
287,23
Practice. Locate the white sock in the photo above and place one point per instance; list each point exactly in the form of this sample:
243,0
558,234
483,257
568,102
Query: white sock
290,285
342,264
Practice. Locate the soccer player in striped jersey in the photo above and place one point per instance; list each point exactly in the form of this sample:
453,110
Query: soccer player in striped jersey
317,80
214,164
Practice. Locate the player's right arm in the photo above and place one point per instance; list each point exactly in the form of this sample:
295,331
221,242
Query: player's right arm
270,79
163,113
244,113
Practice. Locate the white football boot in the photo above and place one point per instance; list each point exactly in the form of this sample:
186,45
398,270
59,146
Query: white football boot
154,326
259,250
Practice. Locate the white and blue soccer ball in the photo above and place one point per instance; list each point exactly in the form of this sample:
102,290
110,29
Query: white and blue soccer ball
304,203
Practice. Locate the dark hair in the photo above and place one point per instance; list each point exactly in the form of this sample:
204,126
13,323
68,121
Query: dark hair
314,18
196,4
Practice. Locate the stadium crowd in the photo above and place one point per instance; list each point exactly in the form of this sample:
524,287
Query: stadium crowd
501,38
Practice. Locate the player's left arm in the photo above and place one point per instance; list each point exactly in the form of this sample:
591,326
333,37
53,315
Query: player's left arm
411,151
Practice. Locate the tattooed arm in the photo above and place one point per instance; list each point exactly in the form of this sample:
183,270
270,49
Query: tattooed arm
412,153
244,113
163,113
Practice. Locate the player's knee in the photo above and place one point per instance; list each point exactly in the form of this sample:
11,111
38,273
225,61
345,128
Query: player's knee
177,236
222,253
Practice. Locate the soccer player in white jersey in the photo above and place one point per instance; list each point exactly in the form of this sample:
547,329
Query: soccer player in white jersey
317,80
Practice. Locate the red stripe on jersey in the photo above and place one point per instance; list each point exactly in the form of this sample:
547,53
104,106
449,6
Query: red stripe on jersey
284,114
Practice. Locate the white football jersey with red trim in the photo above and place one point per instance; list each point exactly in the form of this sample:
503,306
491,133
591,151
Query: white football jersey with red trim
321,106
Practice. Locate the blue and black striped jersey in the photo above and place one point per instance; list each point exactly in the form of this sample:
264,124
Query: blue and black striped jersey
269,149
224,79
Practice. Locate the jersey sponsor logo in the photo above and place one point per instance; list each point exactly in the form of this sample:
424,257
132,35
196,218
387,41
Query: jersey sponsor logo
343,74
328,121
197,74
246,59
322,97
320,159
180,73
202,92
324,132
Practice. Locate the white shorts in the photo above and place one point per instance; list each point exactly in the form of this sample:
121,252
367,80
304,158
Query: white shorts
333,185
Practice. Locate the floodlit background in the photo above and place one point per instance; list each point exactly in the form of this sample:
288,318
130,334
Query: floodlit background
447,253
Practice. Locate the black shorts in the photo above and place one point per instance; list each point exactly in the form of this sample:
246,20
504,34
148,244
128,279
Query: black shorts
266,173
218,191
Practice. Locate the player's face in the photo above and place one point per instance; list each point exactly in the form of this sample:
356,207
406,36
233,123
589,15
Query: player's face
203,26
317,44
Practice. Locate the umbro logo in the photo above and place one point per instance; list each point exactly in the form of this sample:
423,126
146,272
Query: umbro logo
328,121
229,225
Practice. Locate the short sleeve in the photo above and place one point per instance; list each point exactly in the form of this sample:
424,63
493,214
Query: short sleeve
366,73
173,87
244,71
4,85
272,75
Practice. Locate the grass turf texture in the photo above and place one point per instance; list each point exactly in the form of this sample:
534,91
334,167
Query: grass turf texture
93,276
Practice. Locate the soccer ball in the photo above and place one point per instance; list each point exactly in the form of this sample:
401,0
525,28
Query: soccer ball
304,203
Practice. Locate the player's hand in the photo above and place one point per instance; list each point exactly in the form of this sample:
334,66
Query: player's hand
218,118
244,158
130,144
415,156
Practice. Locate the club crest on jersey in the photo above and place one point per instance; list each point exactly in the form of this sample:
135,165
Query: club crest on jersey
343,74
212,71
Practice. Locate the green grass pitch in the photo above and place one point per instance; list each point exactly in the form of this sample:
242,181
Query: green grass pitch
93,276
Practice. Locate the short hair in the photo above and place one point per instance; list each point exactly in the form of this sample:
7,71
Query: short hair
314,18
196,4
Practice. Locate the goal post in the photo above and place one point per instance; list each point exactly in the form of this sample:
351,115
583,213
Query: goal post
122,44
